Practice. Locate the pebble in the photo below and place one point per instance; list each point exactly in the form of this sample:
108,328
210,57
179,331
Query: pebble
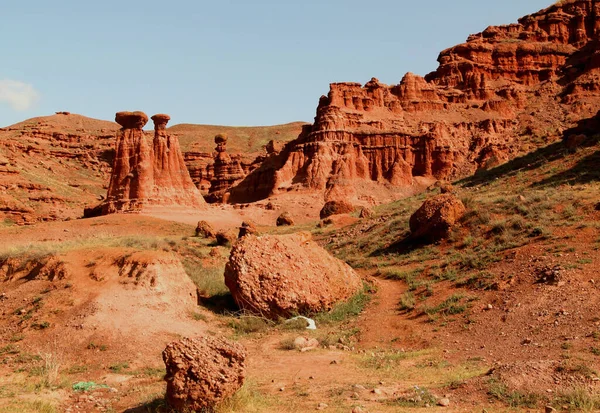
322,406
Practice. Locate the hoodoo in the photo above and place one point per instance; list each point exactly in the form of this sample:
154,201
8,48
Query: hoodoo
148,173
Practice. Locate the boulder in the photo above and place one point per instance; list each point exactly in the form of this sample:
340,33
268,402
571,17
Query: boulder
203,371
285,219
366,212
284,275
434,219
335,208
247,228
226,238
205,230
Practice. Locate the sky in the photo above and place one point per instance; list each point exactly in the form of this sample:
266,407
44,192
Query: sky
225,62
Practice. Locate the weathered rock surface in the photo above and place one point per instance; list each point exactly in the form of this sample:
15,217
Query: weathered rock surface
334,208
284,220
205,230
434,219
282,275
492,98
148,172
203,371
247,228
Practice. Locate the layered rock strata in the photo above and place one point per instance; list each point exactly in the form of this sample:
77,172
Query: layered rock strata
504,92
148,172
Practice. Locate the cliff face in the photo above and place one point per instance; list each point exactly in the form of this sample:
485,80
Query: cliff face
148,172
503,92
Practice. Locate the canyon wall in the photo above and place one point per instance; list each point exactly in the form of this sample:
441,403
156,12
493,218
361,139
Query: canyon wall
506,91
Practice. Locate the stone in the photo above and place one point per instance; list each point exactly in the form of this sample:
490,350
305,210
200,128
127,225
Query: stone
205,230
335,208
305,344
286,275
366,212
284,220
322,406
226,238
247,228
434,219
446,189
444,402
203,371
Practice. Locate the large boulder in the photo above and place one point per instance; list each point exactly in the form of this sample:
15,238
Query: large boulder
434,219
335,208
285,220
203,371
285,275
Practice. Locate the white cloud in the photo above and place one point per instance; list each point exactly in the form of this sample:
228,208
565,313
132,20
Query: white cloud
20,96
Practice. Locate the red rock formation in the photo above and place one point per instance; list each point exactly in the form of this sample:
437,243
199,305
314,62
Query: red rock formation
148,173
227,170
478,109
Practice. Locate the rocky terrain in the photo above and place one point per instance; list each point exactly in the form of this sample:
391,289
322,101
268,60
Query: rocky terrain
479,294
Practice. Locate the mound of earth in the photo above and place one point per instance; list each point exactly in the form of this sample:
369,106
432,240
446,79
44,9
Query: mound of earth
282,275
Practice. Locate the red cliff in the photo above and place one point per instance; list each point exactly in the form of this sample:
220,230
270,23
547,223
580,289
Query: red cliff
502,93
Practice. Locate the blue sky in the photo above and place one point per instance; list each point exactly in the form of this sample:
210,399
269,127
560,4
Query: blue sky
229,62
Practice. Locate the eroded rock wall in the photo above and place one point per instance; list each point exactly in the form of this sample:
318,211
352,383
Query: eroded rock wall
504,92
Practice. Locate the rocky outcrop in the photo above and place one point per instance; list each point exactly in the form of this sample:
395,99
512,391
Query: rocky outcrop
227,171
284,220
283,275
334,208
203,371
500,94
436,217
148,172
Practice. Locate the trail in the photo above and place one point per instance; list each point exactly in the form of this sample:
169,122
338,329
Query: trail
383,325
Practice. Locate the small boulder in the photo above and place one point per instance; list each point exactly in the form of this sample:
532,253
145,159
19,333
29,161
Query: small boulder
247,228
205,230
434,219
446,188
226,238
306,344
335,208
203,371
286,275
366,212
444,402
285,219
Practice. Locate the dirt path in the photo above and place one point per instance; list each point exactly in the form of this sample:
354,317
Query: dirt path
383,325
